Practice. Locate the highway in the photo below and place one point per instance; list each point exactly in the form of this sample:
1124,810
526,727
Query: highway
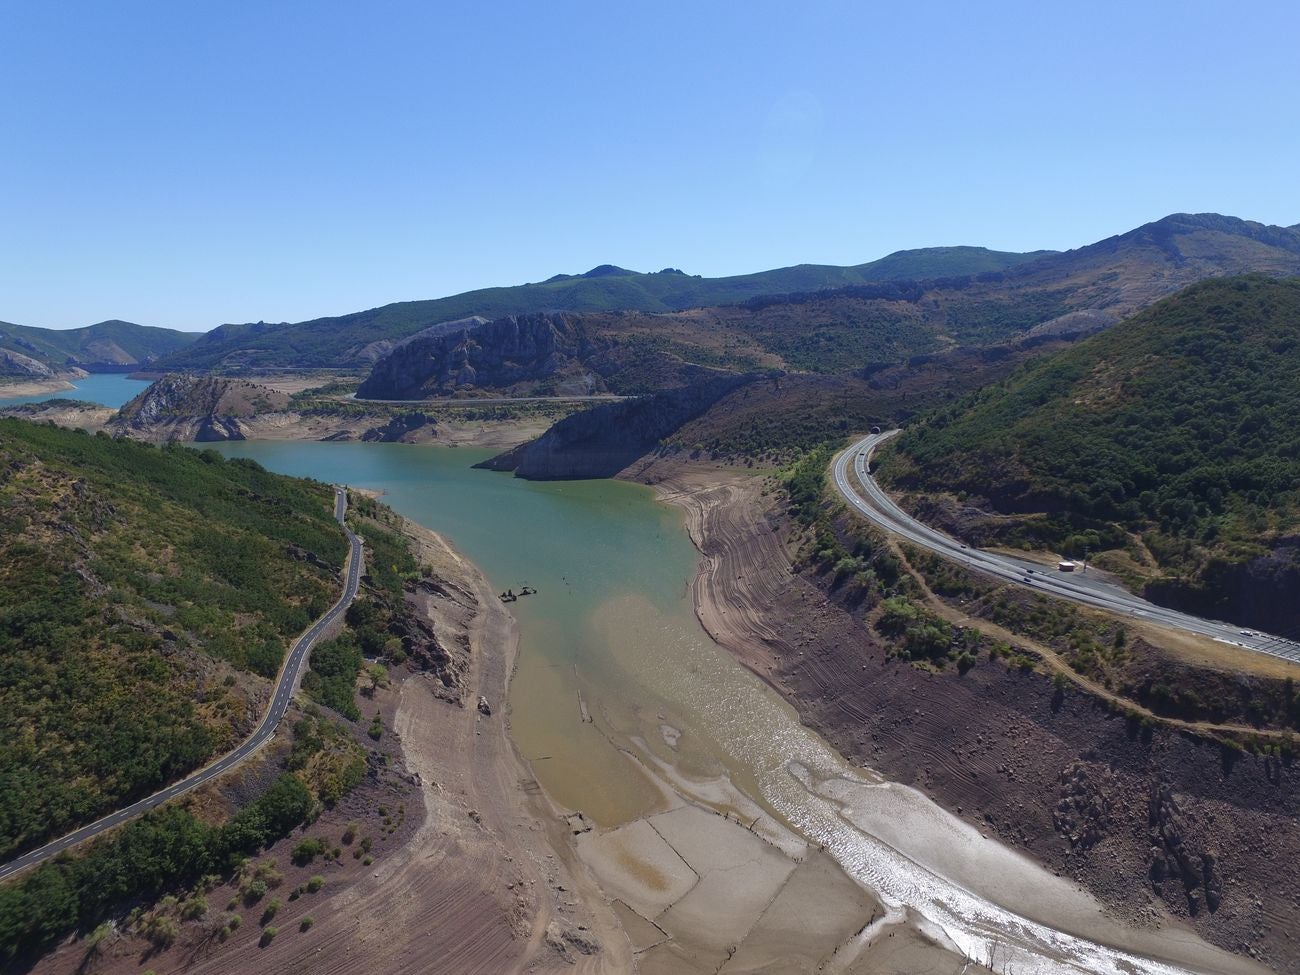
285,686
851,471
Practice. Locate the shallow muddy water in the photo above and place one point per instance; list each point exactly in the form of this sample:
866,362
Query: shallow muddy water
620,699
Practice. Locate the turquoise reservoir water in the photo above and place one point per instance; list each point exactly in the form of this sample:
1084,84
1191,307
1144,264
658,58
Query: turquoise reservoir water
595,550
614,622
104,388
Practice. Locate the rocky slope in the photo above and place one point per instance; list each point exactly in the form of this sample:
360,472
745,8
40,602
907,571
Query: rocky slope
602,441
25,367
198,408
504,355
860,328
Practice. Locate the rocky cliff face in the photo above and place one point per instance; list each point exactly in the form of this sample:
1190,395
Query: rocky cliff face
199,408
25,367
509,353
604,440
1262,591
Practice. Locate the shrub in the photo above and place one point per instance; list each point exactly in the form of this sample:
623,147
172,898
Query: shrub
308,850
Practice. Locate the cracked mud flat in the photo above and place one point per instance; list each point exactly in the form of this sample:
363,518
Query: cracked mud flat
697,890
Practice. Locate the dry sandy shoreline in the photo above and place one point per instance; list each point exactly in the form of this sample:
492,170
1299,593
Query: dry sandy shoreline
746,598
35,387
488,883
291,426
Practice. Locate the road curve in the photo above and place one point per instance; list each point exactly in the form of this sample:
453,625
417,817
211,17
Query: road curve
874,504
285,686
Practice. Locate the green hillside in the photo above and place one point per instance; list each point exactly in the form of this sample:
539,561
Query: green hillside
102,347
336,341
143,593
962,295
1172,439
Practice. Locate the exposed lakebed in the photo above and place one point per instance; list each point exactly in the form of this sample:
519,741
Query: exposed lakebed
628,712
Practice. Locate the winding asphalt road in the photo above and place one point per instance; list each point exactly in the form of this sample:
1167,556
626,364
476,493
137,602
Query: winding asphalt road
290,675
853,465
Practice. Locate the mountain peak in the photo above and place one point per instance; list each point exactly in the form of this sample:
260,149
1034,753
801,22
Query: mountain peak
607,271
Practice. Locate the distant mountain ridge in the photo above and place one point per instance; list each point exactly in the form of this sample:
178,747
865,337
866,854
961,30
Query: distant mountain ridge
858,329
1067,292
362,337
111,346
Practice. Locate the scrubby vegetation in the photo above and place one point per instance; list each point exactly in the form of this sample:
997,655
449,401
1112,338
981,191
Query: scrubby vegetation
1173,434
850,555
328,759
160,851
332,679
135,583
373,620
1109,653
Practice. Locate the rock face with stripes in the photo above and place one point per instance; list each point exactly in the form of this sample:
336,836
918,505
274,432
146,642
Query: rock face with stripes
196,408
500,355
602,441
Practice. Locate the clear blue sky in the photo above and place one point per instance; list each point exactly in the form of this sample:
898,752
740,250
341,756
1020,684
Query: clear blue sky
196,162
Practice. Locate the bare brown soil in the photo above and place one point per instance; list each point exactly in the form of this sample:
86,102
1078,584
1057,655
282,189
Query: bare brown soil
1159,824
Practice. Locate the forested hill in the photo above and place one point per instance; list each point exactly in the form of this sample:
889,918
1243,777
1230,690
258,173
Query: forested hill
144,593
814,318
112,346
1172,440
363,337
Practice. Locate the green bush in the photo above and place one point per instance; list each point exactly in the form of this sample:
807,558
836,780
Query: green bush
161,849
308,850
